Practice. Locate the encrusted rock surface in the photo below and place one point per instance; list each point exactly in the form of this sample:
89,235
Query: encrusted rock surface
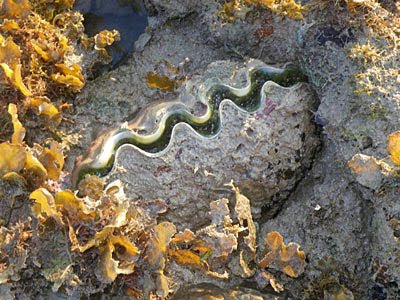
209,291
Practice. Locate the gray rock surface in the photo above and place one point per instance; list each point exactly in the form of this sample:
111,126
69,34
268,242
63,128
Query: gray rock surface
212,292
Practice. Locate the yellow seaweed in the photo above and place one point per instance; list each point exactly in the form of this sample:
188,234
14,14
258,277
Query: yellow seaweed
12,158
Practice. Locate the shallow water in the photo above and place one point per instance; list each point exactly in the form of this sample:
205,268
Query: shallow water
129,17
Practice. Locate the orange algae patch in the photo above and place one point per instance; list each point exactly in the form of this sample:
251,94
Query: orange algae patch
47,109
110,267
10,55
161,82
160,237
393,147
288,258
53,160
44,205
13,158
69,76
9,25
103,39
287,8
34,166
13,155
19,131
71,205
165,77
15,8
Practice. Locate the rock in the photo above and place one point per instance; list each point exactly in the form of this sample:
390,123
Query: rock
212,292
143,39
368,170
169,8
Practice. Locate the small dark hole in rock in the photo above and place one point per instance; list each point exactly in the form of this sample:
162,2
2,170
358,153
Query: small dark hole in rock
249,132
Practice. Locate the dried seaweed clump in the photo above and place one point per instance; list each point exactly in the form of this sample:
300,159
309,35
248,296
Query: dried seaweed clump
124,238
13,252
230,240
43,49
287,8
121,242
31,165
377,55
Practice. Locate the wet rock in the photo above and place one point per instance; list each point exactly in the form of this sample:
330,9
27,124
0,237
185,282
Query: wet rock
171,8
368,170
